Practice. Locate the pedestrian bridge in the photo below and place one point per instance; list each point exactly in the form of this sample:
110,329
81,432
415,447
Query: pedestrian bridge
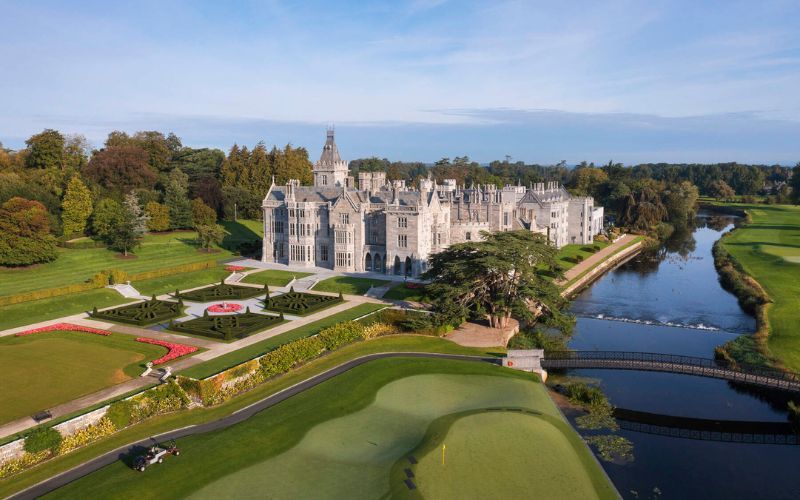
672,363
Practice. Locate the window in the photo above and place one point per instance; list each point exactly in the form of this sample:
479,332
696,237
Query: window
402,240
553,214
291,212
344,259
278,249
323,253
291,229
278,226
344,218
468,236
505,218
402,222
324,180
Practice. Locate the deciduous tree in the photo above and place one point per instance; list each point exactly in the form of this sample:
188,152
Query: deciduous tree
45,150
25,237
202,214
158,216
107,214
212,234
128,233
76,207
121,169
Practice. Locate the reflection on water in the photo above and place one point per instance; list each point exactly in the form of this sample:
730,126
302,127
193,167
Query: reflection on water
678,285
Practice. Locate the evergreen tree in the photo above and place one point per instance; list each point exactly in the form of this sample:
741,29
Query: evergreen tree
76,207
128,233
107,214
176,197
795,180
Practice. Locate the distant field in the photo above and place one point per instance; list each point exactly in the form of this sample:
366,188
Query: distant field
768,249
342,438
158,251
273,277
46,369
348,285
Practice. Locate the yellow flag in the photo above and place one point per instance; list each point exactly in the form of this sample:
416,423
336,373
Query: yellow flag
444,447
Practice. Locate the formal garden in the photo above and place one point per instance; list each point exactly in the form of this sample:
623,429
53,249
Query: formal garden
47,366
221,291
228,327
349,285
299,303
149,312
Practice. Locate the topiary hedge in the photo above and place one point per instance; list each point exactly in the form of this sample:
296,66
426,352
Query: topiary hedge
228,327
142,313
221,291
300,304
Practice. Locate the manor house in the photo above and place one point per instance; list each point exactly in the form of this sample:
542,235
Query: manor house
392,228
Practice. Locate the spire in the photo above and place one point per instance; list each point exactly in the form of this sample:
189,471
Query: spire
330,153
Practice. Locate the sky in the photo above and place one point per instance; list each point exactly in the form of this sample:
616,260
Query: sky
630,81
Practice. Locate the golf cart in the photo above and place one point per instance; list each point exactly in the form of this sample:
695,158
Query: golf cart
155,455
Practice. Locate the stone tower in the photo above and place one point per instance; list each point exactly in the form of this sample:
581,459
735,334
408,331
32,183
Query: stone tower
330,170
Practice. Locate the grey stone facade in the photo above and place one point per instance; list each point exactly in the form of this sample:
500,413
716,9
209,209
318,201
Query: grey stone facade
390,228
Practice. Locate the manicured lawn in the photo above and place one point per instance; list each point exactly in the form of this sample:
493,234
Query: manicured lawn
241,355
158,251
183,281
348,285
26,313
768,249
397,343
273,277
568,252
342,438
489,455
45,369
401,291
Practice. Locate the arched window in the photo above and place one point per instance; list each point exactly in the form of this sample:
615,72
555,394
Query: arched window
396,265
368,262
377,265
408,266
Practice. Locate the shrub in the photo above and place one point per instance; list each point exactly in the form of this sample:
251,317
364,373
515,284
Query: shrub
119,413
165,398
300,303
43,439
222,291
26,461
101,429
227,327
379,329
287,356
117,276
585,394
142,313
340,334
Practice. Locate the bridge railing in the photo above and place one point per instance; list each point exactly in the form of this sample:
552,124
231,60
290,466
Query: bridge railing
676,359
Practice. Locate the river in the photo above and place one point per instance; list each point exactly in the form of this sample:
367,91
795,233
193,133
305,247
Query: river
672,302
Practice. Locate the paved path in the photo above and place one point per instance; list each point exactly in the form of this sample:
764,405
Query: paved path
239,416
214,349
596,258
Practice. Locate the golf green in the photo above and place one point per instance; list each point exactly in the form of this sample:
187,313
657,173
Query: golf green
341,439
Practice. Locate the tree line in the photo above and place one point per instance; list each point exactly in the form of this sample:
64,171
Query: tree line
58,188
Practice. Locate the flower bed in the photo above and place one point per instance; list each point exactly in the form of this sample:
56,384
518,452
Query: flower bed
63,327
142,313
235,269
221,292
235,326
299,303
225,308
175,350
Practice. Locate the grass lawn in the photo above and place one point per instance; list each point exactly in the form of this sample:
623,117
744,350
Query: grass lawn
348,285
401,292
768,249
27,313
46,369
342,438
157,251
183,281
163,423
568,252
220,363
273,277
489,455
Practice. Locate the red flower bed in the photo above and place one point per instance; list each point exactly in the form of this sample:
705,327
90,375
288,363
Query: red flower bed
61,327
413,286
234,269
175,350
225,308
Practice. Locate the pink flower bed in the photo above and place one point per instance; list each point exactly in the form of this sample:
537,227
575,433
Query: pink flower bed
224,308
175,350
61,327
234,269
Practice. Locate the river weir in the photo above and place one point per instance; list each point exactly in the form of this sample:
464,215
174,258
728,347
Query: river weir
670,301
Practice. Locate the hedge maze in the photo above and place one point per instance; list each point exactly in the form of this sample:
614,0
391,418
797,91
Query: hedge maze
142,313
235,326
299,303
221,291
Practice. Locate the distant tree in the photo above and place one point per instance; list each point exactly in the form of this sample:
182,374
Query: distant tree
176,197
209,190
240,202
795,183
120,169
158,216
643,209
128,233
25,237
107,214
202,214
157,147
76,152
212,234
588,181
720,190
174,143
45,150
681,202
118,138
76,207
495,278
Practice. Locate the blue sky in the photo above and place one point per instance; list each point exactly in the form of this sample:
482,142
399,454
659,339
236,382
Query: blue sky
542,82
